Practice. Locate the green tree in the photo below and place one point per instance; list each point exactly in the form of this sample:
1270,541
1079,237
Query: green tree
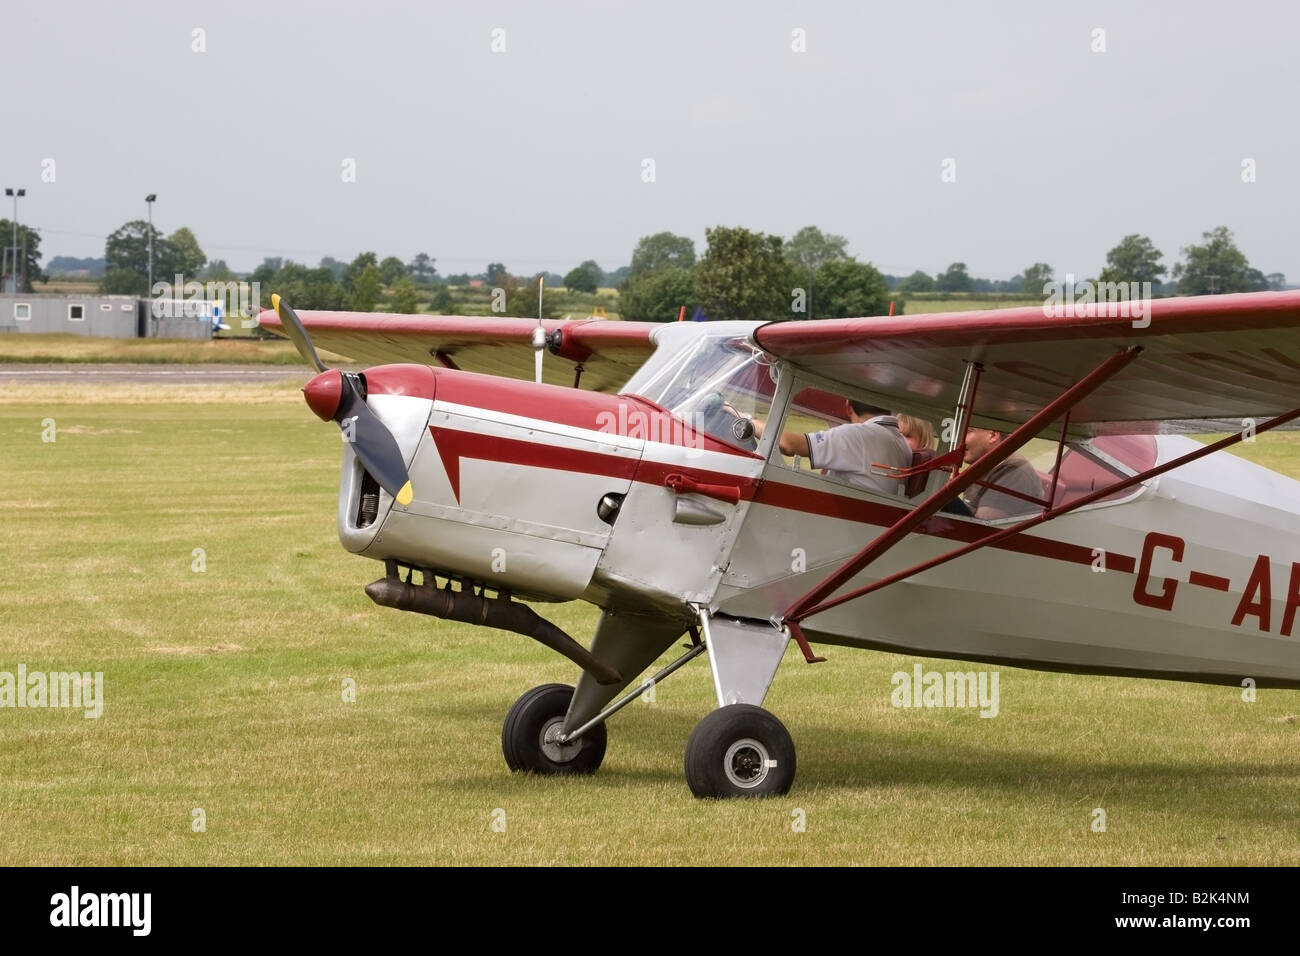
322,290
356,267
954,279
391,270
1034,278
584,277
1276,281
335,267
30,264
422,268
521,299
442,301
744,275
304,288
918,281
365,288
126,250
846,288
1135,259
405,299
179,254
810,247
217,270
663,250
496,275
658,296
263,275
1217,266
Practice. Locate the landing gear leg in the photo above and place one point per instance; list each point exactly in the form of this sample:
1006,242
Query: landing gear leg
741,750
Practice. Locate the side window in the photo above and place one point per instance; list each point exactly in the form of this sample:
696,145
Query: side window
76,313
850,441
1101,462
23,311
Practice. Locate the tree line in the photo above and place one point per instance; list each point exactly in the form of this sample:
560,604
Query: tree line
742,274
745,275
1214,266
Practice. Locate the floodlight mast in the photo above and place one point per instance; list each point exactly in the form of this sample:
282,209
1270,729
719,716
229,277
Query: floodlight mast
13,259
149,200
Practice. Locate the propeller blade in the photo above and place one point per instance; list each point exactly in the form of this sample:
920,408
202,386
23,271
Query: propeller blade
373,443
539,343
297,333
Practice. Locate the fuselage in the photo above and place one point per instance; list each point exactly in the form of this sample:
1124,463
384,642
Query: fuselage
556,494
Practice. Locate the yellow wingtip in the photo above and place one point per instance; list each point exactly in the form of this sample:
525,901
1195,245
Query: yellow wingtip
275,301
404,496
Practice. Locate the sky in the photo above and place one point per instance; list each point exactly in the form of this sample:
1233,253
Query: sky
541,134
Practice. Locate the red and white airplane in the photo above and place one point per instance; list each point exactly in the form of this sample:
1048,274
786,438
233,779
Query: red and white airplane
632,478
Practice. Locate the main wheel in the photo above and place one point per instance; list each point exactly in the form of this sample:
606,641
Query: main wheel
528,738
739,751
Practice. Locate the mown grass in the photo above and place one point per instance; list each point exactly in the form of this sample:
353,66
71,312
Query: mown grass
916,306
223,691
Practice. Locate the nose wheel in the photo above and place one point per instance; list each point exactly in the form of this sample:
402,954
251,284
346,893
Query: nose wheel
530,737
740,751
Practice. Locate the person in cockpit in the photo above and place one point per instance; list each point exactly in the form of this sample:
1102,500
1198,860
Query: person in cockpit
848,451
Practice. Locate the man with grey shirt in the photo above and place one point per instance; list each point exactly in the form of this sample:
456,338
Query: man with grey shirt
1016,473
848,451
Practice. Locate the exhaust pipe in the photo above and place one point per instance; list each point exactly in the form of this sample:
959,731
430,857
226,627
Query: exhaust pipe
498,612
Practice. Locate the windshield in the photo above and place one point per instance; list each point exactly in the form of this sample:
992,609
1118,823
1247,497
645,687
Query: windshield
716,383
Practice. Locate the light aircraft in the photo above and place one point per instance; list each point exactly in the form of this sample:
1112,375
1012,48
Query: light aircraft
628,474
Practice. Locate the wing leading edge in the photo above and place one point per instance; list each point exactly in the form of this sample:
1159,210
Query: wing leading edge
609,351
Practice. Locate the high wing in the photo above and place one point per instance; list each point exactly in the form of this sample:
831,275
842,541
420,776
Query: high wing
1204,359
607,351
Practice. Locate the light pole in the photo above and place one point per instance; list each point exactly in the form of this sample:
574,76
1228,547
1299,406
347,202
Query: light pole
149,205
15,193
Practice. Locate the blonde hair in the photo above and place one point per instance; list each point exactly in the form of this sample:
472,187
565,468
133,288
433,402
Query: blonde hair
918,429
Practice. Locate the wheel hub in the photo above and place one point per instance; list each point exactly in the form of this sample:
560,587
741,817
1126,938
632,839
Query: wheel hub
747,763
556,750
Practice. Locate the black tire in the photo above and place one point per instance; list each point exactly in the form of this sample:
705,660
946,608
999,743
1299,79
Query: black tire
535,715
740,751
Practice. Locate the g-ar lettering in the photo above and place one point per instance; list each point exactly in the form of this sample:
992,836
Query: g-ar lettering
1256,597
1165,599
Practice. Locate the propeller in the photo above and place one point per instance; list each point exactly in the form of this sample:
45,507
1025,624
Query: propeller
337,396
539,345
539,333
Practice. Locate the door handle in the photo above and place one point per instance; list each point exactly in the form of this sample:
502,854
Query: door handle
684,484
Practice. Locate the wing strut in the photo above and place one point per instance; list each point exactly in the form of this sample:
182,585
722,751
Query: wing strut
1050,514
811,602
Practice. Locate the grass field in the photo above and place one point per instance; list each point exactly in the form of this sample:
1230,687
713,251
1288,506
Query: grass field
972,304
223,692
